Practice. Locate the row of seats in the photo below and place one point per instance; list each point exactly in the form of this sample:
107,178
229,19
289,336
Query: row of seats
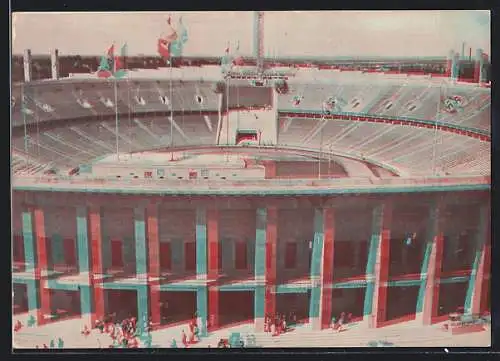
67,146
414,101
69,100
405,147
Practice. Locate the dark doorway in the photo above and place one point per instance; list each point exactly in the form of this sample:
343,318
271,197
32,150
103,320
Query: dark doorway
296,303
177,306
236,307
401,302
348,300
20,301
121,303
451,297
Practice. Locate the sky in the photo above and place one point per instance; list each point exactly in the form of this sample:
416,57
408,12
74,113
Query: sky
290,33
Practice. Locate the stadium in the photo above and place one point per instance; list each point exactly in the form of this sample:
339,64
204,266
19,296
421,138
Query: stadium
226,194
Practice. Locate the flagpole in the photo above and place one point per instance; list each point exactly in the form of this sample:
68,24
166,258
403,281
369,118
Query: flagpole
171,113
434,147
116,103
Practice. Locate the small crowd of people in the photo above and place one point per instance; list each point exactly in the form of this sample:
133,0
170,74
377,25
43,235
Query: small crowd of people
279,323
123,334
339,324
192,337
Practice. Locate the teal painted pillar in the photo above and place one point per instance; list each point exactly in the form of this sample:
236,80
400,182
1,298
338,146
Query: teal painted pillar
377,268
202,309
33,305
260,268
141,267
141,257
29,242
477,291
142,307
317,255
428,294
29,259
201,243
82,242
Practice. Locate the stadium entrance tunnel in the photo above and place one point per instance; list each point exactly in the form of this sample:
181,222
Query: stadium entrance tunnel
121,304
235,307
20,298
177,307
294,306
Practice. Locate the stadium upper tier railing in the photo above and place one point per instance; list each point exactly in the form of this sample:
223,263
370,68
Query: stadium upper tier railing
88,64
270,186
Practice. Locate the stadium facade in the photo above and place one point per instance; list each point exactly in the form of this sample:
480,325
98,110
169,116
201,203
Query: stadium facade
372,201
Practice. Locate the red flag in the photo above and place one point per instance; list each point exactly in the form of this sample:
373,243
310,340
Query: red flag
111,51
164,48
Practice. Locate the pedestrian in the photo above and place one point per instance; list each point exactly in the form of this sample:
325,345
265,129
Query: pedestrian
184,339
60,343
173,343
52,344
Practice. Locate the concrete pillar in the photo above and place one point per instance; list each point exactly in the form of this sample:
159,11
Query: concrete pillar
271,260
28,65
82,243
449,63
315,273
54,60
213,267
260,268
477,292
41,271
327,269
142,307
141,265
455,67
478,65
377,269
97,262
154,262
201,243
201,268
201,309
30,262
428,296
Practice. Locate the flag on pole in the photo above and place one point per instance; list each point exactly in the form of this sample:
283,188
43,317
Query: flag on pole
111,65
226,61
165,40
120,63
177,46
106,66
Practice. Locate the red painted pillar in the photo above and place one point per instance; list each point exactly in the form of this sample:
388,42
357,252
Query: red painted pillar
327,270
42,265
431,295
213,268
154,262
481,289
97,269
271,249
379,313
